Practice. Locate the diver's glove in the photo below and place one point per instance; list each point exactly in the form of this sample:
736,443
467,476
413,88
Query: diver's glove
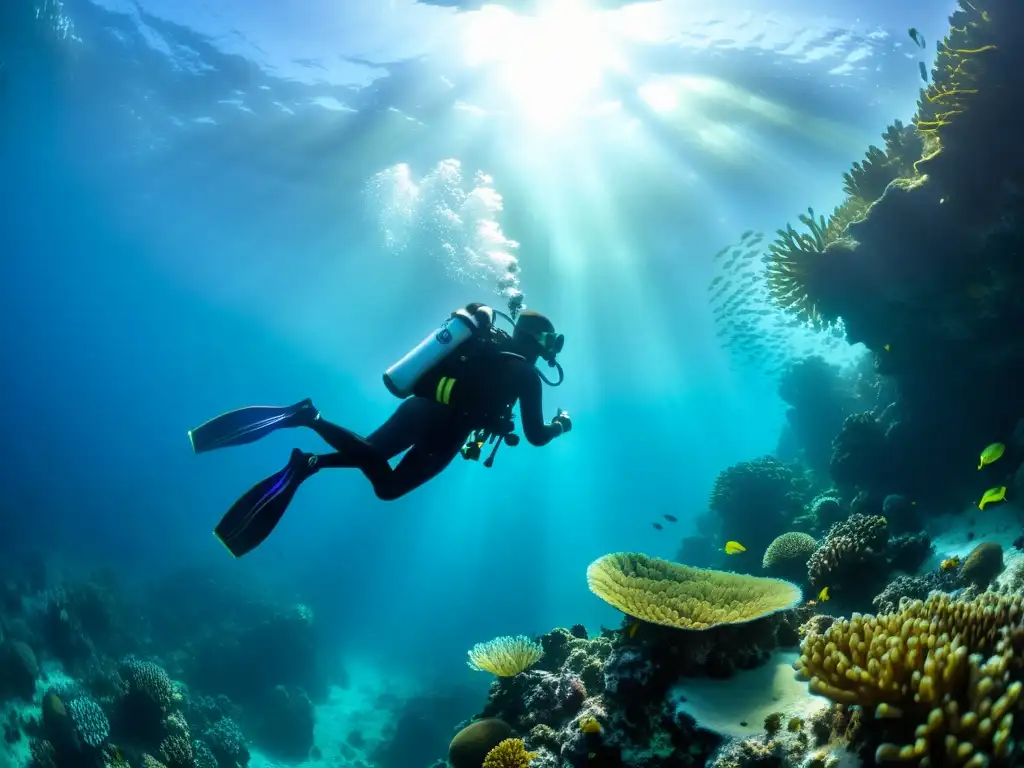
563,420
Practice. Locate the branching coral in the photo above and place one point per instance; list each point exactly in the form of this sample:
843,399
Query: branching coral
511,753
851,553
940,676
505,656
675,595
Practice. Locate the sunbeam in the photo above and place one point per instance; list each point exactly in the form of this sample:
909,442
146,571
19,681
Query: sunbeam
551,66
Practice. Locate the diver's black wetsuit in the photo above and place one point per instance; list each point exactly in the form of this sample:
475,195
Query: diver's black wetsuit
435,433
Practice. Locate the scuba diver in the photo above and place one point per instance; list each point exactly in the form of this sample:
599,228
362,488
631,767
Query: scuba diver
458,388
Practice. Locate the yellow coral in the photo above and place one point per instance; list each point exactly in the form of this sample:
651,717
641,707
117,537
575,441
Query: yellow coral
510,753
959,69
674,595
505,656
942,667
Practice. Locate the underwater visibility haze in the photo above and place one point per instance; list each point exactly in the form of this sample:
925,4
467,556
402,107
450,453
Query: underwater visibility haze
774,250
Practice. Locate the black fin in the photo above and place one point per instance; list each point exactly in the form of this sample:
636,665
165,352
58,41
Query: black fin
247,425
253,517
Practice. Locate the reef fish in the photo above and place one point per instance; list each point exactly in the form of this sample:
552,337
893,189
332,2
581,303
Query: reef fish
992,495
823,595
658,526
734,548
917,37
950,564
671,518
991,454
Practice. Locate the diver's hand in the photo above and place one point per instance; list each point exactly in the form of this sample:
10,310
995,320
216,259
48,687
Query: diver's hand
563,420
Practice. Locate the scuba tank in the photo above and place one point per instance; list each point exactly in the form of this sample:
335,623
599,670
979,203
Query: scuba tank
461,325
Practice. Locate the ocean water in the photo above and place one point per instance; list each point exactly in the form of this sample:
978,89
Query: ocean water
207,205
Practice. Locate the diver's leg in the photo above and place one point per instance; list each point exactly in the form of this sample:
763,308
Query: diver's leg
246,425
416,420
412,419
420,464
371,455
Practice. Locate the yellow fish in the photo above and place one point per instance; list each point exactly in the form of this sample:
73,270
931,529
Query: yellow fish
734,548
823,595
950,563
992,495
991,454
887,348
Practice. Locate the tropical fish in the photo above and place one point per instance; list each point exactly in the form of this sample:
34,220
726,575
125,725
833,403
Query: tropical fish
671,518
823,595
991,454
992,495
886,348
950,564
917,37
734,548
658,526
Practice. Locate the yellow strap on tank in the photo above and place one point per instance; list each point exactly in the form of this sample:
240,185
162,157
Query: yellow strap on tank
444,390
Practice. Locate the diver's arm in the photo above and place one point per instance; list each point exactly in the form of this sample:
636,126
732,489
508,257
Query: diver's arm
531,407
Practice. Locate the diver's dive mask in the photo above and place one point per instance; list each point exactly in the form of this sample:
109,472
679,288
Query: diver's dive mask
551,344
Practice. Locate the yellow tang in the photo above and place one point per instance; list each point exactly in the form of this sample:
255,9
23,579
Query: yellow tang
992,495
823,595
734,548
991,454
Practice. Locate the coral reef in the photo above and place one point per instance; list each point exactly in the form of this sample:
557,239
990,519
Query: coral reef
759,498
859,454
917,262
823,511
674,595
940,677
909,551
851,559
914,588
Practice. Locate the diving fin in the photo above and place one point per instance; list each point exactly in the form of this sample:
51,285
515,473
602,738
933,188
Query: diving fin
247,425
253,517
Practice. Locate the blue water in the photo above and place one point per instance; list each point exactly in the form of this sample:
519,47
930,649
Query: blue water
188,226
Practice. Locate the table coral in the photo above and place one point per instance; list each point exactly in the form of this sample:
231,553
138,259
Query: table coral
674,595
